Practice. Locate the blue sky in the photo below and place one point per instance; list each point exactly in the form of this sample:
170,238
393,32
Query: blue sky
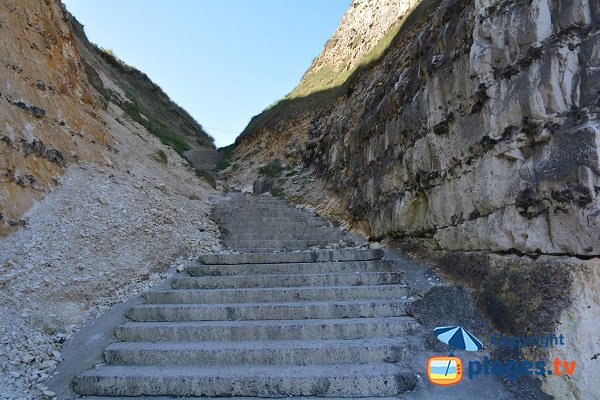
224,61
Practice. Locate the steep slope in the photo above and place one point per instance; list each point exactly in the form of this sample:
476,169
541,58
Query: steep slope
142,100
363,33
49,117
474,138
94,206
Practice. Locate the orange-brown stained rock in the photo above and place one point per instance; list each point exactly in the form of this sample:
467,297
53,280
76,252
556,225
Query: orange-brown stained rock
40,67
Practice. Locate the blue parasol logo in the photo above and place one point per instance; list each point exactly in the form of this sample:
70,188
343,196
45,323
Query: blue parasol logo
458,338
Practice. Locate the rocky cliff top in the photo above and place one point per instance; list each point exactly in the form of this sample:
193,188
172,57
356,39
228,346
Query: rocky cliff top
365,32
362,29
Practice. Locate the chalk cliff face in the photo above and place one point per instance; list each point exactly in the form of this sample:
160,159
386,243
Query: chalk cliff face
48,118
476,132
95,201
363,28
52,97
478,128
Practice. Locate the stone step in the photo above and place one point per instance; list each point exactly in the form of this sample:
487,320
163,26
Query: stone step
248,197
294,257
257,205
311,293
258,281
311,223
265,311
296,232
254,250
307,329
288,234
273,210
278,244
272,215
263,221
290,268
253,206
281,209
266,211
268,232
269,239
265,352
232,398
382,379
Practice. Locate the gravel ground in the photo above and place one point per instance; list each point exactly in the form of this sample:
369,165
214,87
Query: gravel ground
104,234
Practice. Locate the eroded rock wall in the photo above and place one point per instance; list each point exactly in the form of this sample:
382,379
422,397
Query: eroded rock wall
94,206
478,128
48,118
476,133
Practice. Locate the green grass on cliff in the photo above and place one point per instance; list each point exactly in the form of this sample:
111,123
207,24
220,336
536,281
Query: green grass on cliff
327,77
145,102
274,169
226,154
321,88
200,173
155,127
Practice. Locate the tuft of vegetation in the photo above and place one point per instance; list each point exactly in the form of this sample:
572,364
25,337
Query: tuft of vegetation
162,156
110,56
274,169
277,192
225,154
158,129
207,176
223,164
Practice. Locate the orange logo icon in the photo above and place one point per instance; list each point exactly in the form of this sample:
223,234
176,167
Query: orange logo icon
444,370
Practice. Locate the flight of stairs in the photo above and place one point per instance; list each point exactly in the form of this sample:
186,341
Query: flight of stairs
265,224
278,319
205,159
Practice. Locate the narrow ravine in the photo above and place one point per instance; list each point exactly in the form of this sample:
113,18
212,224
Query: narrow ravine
292,307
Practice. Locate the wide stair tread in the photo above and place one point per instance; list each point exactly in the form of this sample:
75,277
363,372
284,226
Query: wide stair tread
265,380
289,329
290,268
233,398
278,294
279,310
266,352
288,280
294,257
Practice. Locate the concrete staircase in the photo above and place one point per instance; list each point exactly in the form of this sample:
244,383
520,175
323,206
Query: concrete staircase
204,158
277,319
260,224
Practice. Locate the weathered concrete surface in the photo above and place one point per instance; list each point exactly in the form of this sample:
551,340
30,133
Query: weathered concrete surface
337,329
295,257
265,381
341,293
